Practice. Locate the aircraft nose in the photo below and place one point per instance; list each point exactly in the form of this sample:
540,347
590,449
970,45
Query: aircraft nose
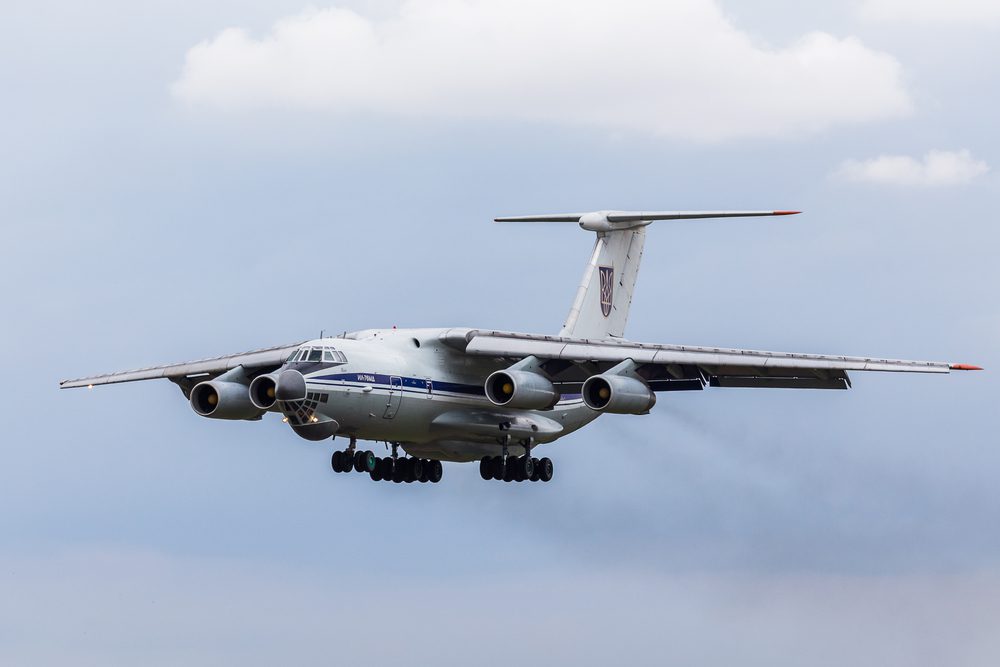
290,386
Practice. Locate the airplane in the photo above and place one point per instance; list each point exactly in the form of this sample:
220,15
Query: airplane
463,395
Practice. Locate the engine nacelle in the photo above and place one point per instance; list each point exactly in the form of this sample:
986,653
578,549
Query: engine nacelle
223,400
618,394
263,391
521,389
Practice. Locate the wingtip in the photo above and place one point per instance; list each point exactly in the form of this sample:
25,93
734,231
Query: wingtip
965,367
787,212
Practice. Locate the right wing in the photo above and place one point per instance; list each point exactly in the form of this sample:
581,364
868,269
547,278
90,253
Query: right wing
681,367
189,373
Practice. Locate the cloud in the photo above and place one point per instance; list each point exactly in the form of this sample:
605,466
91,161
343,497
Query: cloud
937,169
678,69
930,11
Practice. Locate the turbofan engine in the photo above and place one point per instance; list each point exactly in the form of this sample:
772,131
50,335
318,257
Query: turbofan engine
263,391
618,394
223,400
521,389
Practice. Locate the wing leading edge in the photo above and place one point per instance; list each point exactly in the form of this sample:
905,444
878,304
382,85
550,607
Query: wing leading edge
203,369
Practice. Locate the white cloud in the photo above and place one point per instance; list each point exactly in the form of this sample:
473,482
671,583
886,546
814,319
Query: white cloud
937,168
930,11
679,69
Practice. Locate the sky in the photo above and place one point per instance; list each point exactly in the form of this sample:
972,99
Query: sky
185,180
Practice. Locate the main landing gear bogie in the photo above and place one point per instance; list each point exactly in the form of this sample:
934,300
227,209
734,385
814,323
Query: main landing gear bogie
516,468
388,469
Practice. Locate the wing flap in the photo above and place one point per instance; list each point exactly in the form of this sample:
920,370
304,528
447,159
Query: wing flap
758,382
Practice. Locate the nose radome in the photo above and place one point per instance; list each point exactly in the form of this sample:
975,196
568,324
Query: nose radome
291,386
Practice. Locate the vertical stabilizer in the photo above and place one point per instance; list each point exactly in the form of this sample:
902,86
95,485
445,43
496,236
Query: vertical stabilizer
600,309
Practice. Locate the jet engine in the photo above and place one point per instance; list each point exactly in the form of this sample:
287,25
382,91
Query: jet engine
521,389
263,391
618,394
223,400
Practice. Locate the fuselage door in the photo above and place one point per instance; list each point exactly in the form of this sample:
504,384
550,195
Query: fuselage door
395,396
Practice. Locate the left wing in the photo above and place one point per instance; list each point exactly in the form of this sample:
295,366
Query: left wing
189,373
680,367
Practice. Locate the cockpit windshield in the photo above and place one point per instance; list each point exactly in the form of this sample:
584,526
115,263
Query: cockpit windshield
314,355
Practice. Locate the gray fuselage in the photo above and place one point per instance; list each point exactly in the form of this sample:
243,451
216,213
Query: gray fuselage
406,386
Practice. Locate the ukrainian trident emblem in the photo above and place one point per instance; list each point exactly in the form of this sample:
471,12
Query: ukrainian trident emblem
607,288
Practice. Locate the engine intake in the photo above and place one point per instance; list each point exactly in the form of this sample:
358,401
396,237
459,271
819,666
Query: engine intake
223,400
521,389
618,394
263,391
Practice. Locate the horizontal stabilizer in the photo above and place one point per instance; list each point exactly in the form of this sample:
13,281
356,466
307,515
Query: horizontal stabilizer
640,216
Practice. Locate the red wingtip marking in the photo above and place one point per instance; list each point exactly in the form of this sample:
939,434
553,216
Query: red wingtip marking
787,212
965,367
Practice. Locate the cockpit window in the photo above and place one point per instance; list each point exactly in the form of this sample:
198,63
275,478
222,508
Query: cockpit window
316,354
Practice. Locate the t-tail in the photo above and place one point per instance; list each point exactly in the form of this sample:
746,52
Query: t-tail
600,308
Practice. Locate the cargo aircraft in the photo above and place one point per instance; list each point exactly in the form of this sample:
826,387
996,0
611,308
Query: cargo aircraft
460,394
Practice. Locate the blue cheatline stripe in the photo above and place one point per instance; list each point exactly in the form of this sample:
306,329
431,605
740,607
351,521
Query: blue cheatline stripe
410,385
408,382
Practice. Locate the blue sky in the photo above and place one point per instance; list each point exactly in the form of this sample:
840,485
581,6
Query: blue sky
169,195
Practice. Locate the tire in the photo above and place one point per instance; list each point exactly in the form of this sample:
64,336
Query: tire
368,461
486,467
358,461
399,470
545,469
498,468
527,465
337,461
418,469
376,474
385,468
534,470
435,471
508,470
408,471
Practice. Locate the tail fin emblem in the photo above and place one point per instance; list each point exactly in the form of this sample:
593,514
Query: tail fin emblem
607,288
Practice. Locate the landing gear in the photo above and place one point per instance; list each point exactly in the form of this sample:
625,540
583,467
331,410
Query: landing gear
389,469
346,461
516,468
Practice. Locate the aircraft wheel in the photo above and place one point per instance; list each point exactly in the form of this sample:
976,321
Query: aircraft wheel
368,461
486,467
498,468
418,469
527,465
534,470
376,474
545,469
435,472
425,471
337,461
398,470
408,471
508,470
